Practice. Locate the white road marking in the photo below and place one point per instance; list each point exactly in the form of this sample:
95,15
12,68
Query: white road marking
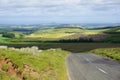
68,73
87,60
101,70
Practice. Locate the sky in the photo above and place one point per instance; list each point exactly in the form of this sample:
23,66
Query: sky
59,11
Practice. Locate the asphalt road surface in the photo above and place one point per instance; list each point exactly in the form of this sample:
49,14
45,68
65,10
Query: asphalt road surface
87,66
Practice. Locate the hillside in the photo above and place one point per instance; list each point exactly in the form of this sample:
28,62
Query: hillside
32,64
61,32
113,30
114,35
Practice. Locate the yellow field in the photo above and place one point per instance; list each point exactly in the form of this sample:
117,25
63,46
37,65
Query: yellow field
61,32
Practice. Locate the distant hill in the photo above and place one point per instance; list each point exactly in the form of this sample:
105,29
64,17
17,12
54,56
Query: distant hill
70,27
113,30
59,32
108,27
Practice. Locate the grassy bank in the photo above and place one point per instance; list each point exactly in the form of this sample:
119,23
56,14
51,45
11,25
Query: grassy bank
113,53
46,64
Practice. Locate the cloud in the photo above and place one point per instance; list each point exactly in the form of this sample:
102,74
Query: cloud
59,8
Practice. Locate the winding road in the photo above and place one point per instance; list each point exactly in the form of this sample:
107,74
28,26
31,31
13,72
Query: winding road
88,66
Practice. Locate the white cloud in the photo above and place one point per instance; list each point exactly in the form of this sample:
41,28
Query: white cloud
58,7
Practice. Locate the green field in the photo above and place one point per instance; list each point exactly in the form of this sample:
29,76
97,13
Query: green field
113,53
37,65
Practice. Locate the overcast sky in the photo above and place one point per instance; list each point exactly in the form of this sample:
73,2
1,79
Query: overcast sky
59,11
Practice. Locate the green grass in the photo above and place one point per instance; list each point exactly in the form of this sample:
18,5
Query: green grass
48,62
3,76
5,67
113,53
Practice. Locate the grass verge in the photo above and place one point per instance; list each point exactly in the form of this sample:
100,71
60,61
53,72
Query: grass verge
49,64
113,53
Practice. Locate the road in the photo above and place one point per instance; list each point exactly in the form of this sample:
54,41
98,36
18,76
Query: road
87,66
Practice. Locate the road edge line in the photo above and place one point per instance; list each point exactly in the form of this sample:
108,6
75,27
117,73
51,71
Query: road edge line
69,78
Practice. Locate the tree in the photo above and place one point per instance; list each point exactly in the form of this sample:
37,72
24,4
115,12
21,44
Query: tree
8,35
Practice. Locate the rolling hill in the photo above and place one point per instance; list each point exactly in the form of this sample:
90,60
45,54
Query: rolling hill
57,33
107,34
